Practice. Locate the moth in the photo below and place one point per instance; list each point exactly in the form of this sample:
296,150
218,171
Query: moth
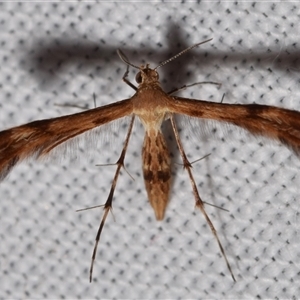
152,106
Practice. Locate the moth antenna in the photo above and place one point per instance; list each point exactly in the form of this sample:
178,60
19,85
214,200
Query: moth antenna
124,58
180,53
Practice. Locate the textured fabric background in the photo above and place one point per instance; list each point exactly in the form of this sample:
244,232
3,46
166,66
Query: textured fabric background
58,53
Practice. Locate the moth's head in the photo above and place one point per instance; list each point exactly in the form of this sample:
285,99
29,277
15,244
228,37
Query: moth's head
146,75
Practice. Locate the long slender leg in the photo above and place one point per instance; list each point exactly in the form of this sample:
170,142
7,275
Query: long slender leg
124,78
193,84
199,203
108,204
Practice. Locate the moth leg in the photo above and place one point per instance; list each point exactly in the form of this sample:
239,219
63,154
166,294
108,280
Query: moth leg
124,78
108,204
193,84
199,203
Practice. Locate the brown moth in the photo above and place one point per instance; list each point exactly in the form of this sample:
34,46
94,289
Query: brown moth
152,106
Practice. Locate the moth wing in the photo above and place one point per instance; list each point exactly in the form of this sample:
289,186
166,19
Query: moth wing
39,138
271,122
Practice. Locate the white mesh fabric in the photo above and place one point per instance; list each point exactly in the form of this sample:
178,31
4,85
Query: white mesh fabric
57,53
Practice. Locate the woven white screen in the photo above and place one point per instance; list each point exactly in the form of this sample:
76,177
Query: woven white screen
52,54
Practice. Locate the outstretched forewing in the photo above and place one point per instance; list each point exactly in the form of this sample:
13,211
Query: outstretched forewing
269,121
38,138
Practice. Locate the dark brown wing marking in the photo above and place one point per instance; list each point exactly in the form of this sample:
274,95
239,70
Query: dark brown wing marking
38,138
261,120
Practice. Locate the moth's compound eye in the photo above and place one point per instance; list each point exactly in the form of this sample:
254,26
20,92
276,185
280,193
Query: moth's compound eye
138,77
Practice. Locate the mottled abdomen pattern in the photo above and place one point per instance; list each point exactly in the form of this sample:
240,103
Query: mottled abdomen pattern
157,171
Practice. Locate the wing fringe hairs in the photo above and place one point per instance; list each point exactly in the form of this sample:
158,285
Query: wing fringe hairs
37,139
